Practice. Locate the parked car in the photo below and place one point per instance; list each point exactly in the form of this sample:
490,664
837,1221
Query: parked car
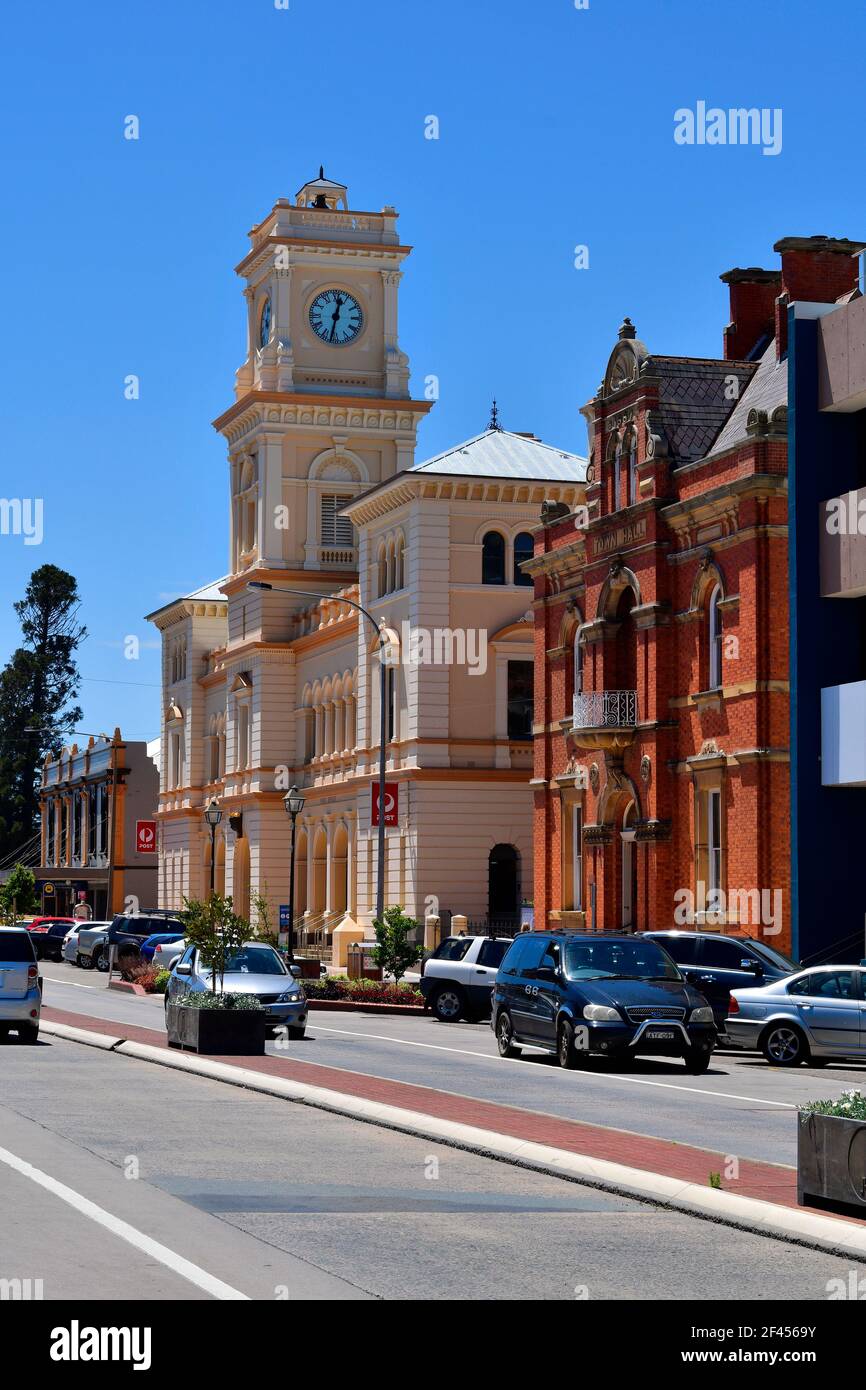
811,1016
167,953
20,985
254,969
620,996
91,939
127,932
457,978
45,921
149,946
49,936
715,964
69,951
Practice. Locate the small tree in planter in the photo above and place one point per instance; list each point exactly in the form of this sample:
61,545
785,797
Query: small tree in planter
393,951
213,1021
219,933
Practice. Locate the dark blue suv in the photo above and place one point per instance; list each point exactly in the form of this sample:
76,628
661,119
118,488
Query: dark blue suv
617,996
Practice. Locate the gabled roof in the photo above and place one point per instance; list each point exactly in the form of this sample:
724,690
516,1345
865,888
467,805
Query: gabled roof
501,454
208,593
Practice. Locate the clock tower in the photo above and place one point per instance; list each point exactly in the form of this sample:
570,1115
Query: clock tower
322,409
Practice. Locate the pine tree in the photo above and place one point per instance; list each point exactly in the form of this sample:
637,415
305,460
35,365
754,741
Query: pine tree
37,693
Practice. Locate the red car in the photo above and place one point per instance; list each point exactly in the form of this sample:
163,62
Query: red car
41,924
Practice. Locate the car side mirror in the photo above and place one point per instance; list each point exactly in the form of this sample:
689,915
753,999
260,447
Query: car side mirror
545,972
295,970
184,968
753,966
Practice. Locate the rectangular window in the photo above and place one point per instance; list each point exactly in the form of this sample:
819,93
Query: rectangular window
242,726
576,860
520,699
336,530
714,840
391,681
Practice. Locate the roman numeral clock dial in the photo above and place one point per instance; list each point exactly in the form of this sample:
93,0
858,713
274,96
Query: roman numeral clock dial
336,317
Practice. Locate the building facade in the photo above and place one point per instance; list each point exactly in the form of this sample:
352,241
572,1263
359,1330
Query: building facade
98,833
268,688
662,646
827,393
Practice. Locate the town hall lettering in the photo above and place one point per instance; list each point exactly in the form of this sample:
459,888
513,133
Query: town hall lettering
620,538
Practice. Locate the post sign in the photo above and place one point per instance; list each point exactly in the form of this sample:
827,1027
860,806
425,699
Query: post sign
284,917
145,836
392,790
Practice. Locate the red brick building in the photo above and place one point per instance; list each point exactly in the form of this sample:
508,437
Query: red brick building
661,690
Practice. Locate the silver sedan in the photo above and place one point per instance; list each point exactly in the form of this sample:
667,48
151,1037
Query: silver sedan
813,1016
254,969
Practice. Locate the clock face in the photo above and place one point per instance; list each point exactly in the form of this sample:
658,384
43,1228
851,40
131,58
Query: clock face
265,324
336,317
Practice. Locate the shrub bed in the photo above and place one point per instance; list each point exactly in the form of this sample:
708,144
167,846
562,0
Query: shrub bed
363,991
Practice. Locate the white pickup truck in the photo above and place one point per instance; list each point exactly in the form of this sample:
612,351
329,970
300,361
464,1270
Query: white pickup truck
457,978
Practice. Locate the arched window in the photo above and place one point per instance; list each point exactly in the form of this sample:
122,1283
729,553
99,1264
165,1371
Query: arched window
391,696
493,558
631,467
392,573
715,639
618,488
523,550
382,563
578,664
401,545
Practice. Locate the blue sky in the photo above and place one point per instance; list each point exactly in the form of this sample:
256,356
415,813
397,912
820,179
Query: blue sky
556,130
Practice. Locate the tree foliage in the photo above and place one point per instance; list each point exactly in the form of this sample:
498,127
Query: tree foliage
394,951
216,930
38,687
18,895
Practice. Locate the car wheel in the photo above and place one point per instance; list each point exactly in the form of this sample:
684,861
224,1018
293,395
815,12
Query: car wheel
448,1004
783,1045
697,1060
505,1037
83,962
28,1032
565,1050
101,961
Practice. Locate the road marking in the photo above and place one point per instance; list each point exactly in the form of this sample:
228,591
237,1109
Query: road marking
200,1277
520,1062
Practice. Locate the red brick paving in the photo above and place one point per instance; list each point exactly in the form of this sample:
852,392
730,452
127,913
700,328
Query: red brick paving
766,1181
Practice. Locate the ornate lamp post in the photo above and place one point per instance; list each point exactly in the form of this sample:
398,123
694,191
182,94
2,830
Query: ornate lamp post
294,804
213,815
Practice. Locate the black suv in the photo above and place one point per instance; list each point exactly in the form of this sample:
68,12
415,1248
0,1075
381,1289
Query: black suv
619,996
128,930
716,964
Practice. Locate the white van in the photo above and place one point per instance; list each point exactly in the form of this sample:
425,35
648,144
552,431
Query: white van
20,996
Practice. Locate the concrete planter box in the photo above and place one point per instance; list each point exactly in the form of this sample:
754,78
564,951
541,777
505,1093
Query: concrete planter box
216,1032
831,1161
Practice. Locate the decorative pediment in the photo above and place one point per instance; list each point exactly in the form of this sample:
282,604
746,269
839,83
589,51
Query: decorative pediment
625,362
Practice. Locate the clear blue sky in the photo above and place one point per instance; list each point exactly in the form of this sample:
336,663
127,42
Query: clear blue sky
556,130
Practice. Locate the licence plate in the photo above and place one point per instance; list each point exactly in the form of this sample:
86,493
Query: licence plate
660,1034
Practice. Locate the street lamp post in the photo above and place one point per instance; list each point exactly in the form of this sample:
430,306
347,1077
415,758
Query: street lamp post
383,722
213,815
294,804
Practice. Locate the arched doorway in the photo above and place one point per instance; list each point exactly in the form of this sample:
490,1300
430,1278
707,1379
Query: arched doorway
628,919
301,873
320,869
626,642
503,882
340,862
241,877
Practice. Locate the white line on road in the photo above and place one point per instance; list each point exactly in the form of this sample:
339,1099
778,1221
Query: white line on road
200,1277
520,1062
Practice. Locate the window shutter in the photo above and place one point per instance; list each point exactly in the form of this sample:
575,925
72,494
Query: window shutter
336,530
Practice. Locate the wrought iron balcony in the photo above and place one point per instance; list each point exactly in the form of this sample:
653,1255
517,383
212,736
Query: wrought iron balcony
604,718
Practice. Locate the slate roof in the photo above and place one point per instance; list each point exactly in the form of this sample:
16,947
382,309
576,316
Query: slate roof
767,390
501,454
694,402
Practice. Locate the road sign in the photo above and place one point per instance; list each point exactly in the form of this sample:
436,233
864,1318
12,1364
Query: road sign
145,836
392,806
284,917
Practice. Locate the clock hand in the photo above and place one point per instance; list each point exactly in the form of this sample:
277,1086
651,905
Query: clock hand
336,315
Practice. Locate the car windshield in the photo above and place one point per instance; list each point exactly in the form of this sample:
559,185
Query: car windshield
774,957
254,960
622,960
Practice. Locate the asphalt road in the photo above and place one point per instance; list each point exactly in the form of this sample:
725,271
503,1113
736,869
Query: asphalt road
277,1200
741,1107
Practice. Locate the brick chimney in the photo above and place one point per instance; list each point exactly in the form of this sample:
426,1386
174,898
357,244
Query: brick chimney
819,269
753,309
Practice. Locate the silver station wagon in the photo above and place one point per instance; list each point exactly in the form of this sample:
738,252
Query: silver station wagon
814,1016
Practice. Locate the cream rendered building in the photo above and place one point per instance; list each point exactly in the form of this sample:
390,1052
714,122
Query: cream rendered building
262,689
